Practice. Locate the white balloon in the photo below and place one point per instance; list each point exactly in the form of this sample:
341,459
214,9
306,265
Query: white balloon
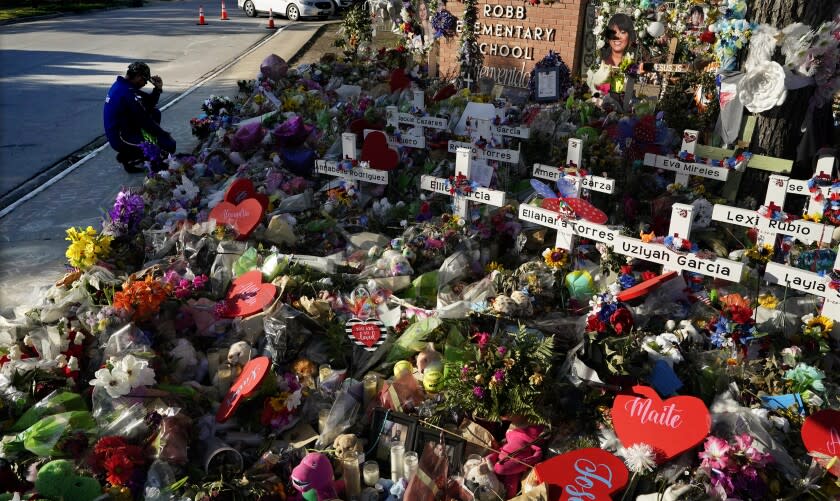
656,29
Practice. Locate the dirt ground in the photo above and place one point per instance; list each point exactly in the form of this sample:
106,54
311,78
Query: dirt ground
322,43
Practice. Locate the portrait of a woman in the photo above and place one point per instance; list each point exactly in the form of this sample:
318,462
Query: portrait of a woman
620,42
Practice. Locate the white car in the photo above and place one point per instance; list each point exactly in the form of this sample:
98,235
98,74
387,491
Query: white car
291,9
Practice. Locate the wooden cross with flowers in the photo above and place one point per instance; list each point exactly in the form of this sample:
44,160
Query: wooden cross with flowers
818,188
414,138
462,188
349,167
687,163
676,252
486,141
818,284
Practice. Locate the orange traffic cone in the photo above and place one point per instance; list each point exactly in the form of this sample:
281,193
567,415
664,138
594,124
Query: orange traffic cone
224,12
201,21
271,21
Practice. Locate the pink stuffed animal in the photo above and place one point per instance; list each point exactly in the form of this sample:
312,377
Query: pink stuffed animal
315,472
520,443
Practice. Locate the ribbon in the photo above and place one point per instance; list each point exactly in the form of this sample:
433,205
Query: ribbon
426,480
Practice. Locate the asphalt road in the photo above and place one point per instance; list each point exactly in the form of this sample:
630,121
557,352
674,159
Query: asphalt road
54,73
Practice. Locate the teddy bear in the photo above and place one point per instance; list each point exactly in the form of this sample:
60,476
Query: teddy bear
238,355
347,443
487,484
520,443
315,472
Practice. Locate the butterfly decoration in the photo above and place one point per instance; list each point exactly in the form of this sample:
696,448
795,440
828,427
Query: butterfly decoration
566,202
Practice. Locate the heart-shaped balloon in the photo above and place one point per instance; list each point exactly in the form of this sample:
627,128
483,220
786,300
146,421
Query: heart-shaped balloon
246,384
377,152
592,474
242,189
249,295
369,333
542,189
821,436
670,427
243,217
580,284
359,125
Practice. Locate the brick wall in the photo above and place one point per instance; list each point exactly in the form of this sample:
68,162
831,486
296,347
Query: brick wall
565,17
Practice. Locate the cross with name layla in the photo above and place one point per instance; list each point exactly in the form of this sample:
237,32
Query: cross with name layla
461,188
353,174
810,283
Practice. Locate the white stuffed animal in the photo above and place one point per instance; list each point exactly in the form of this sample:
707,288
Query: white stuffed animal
478,471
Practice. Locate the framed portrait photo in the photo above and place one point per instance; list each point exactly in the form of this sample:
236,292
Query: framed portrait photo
454,445
547,84
388,427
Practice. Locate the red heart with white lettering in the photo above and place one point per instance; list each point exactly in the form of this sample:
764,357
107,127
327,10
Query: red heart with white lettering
377,152
591,473
248,295
821,436
369,333
671,427
246,384
244,217
586,210
243,188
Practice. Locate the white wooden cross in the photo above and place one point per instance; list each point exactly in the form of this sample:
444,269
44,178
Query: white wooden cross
415,137
825,167
359,173
567,229
462,201
811,283
485,128
686,169
681,218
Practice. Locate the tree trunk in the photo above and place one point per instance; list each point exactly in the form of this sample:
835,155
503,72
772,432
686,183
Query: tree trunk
778,130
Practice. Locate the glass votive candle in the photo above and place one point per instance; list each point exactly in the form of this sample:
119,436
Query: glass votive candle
323,415
324,372
370,472
352,480
397,456
370,382
410,462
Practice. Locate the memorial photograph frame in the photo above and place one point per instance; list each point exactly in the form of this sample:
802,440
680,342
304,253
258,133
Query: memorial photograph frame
385,425
549,91
455,446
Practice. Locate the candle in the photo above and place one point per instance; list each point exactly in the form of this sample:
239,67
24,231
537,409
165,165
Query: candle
370,381
410,462
324,372
397,453
352,482
370,470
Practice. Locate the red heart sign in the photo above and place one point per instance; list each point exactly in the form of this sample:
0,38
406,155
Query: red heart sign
821,436
592,474
645,287
671,427
242,189
368,334
244,217
399,80
249,295
359,125
376,151
586,210
246,384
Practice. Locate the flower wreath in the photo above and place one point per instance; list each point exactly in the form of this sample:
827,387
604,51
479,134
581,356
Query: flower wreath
460,185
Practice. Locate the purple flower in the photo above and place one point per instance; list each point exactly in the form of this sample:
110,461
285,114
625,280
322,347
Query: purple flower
127,211
200,281
483,339
715,454
501,350
464,371
478,391
499,375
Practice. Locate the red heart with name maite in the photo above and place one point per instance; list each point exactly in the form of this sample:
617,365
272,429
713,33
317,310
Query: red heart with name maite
590,473
671,427
243,217
821,436
243,188
248,295
376,151
581,208
369,333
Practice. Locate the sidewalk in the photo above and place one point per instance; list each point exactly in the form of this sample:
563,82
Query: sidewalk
32,241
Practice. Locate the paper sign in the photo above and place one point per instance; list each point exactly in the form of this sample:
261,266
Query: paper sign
243,217
362,174
246,384
592,474
369,333
670,427
821,436
482,195
249,295
473,112
481,173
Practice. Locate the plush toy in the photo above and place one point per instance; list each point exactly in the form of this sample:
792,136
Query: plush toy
315,473
479,472
239,354
58,480
520,443
347,443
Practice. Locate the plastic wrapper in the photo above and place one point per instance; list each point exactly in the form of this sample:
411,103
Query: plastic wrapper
48,435
295,203
173,437
127,419
343,413
159,243
287,331
413,340
128,339
246,262
221,272
55,403
401,394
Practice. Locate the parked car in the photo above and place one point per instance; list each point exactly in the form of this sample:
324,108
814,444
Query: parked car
293,10
341,5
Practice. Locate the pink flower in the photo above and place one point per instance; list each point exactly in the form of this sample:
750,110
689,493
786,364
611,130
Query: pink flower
604,88
499,375
715,454
478,391
502,350
483,338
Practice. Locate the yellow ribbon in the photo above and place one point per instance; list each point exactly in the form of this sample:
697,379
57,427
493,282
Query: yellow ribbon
395,399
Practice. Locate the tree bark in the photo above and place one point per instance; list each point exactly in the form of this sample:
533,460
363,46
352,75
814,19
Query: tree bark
779,130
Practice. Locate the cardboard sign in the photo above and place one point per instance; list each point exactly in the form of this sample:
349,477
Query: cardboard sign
242,189
821,435
246,384
671,427
243,217
249,295
593,474
369,333
377,152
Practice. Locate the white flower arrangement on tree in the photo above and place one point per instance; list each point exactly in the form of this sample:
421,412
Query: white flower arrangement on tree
763,88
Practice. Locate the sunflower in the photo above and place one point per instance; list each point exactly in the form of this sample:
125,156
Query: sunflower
556,258
818,326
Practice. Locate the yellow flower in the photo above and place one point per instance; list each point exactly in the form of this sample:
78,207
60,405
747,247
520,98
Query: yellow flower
556,258
760,253
86,247
479,379
819,326
768,301
814,216
536,379
493,266
509,362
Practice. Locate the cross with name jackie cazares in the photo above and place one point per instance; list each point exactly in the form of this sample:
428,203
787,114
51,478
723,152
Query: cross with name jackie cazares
681,218
462,199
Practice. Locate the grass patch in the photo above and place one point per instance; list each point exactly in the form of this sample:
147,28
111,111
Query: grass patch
20,9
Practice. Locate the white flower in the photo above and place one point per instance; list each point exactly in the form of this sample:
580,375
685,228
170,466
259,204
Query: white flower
639,458
137,371
293,400
73,364
114,382
187,190
599,44
663,347
763,88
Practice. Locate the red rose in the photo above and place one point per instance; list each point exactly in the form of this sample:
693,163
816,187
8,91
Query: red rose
740,314
707,37
622,321
595,325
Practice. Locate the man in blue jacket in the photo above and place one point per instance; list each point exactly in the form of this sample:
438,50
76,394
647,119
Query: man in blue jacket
129,112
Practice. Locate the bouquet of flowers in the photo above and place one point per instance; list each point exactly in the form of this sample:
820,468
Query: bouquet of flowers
86,247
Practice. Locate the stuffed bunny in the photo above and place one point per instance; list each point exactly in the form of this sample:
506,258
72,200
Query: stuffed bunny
485,484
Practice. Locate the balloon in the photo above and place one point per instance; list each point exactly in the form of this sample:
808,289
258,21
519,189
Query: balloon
580,284
542,189
656,29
